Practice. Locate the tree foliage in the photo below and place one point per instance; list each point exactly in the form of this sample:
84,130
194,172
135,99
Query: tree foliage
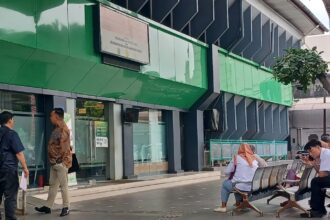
301,67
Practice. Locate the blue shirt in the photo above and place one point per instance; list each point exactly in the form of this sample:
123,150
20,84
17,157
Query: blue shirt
11,145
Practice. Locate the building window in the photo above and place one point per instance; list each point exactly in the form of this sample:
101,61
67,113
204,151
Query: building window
30,126
149,143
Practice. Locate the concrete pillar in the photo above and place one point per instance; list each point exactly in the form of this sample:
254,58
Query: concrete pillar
284,123
115,154
194,140
231,125
252,120
276,122
261,121
128,153
241,119
268,135
173,133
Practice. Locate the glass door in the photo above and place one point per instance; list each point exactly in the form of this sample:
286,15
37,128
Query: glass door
91,139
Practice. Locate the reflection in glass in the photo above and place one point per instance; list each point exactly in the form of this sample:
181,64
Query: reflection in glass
91,139
149,143
30,126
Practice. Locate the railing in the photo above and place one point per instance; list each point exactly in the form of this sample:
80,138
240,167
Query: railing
222,150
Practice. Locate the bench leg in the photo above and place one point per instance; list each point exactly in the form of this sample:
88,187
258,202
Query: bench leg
289,205
246,204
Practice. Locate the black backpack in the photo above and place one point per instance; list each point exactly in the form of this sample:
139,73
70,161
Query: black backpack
3,133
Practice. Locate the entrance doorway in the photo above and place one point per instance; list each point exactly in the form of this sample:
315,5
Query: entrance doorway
91,139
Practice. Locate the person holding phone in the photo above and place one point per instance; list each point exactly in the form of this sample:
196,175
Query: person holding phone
319,158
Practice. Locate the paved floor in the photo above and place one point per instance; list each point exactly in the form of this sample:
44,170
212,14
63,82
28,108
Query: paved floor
185,202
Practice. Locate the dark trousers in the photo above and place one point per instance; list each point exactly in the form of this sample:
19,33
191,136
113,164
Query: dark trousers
9,189
318,195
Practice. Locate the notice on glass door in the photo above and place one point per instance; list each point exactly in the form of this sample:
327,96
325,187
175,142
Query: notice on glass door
101,134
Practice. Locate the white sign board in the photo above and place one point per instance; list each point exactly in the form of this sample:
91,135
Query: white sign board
124,36
101,134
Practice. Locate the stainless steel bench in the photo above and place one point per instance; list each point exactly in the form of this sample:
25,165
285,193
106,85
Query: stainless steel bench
263,184
295,193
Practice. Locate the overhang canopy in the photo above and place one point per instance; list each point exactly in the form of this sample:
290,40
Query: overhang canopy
310,104
299,15
306,107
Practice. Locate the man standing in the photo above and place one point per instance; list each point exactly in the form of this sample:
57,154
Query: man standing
60,159
318,183
11,151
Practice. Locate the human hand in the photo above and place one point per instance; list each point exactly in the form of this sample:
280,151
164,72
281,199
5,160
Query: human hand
306,160
26,172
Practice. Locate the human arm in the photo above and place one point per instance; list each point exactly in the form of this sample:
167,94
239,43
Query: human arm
261,161
324,165
21,158
230,168
17,148
324,144
311,163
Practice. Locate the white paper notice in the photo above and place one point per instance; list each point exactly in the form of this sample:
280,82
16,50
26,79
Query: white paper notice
23,184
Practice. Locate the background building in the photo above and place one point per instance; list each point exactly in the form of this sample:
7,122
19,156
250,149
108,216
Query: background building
309,117
137,78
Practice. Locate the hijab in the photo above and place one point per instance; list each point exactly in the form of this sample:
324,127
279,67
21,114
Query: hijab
246,153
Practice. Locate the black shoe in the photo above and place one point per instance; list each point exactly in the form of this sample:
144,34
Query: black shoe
65,212
313,214
43,209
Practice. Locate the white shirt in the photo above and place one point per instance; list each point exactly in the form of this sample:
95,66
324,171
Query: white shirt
325,160
244,172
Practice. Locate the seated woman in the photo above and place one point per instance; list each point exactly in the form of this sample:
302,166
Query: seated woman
242,169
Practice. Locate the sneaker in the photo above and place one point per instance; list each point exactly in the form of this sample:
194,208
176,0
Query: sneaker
65,212
43,209
221,209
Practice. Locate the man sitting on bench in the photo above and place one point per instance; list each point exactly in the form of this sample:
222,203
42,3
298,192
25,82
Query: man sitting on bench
318,183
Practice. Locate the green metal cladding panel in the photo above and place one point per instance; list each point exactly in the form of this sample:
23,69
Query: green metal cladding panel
51,44
246,78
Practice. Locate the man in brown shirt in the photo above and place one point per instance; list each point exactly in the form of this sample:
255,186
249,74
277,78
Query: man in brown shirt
60,159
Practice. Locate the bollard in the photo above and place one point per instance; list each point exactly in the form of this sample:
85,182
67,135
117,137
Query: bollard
21,203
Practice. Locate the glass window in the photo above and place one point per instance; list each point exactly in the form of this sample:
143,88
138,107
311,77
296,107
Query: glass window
90,109
30,126
149,143
21,102
91,139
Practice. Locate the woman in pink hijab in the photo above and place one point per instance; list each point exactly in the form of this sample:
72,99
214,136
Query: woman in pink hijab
241,169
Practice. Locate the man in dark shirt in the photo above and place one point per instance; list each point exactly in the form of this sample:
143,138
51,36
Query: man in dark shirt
11,152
